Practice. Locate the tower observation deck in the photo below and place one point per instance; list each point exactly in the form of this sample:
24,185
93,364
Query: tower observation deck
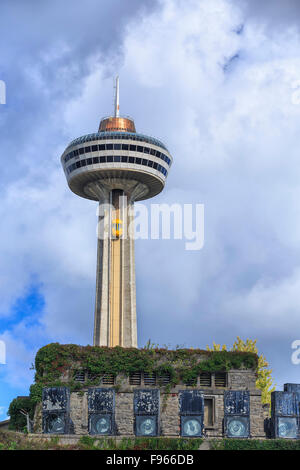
116,167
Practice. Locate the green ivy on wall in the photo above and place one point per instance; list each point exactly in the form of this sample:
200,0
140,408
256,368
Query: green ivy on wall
54,360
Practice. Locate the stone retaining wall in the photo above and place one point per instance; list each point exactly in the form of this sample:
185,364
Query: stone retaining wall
169,417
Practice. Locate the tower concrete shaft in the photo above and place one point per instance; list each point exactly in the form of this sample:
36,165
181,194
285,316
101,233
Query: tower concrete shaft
115,308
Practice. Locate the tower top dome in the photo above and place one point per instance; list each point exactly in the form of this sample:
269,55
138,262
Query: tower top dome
116,123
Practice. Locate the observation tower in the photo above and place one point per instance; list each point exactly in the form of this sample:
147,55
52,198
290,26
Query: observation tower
116,167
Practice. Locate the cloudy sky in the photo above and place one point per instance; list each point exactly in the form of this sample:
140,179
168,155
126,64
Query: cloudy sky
219,82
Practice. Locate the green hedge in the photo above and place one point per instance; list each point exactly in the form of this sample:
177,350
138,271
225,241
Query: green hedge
17,441
142,443
255,444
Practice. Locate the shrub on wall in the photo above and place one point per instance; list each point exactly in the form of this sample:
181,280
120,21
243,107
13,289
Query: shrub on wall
55,360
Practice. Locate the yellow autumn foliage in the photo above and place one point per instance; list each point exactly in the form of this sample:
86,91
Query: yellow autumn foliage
264,381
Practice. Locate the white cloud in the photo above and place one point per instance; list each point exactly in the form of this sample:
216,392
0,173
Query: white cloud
269,301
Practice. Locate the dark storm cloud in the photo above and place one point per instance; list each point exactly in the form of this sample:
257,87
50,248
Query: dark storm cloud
47,48
85,26
275,13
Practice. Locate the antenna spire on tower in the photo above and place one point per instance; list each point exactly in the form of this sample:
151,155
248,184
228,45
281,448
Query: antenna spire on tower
117,107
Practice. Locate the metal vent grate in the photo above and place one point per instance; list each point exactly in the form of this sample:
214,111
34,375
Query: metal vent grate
92,377
220,379
108,379
149,378
79,376
205,379
135,378
164,379
191,382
